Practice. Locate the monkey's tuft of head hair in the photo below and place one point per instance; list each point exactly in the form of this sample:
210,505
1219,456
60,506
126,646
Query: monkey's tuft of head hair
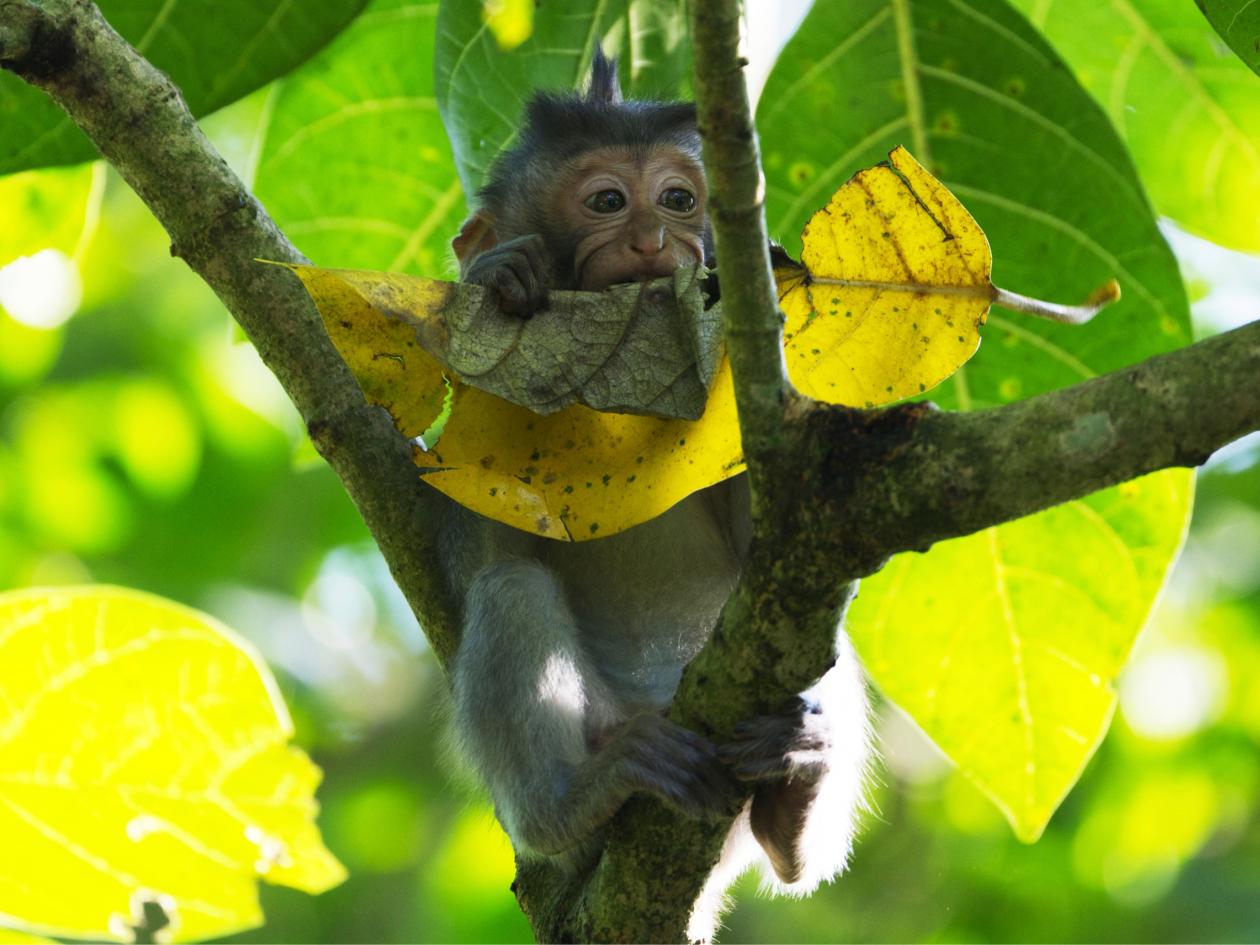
605,87
561,126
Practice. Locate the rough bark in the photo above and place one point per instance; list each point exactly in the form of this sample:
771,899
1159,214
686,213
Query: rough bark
836,491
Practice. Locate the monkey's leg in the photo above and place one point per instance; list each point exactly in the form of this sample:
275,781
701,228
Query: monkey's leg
809,761
547,730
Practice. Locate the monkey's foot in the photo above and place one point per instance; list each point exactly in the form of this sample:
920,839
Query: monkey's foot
792,742
788,752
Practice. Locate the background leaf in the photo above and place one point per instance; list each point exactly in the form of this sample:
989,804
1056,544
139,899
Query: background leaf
1187,108
482,91
51,209
355,165
988,108
144,755
214,50
1238,23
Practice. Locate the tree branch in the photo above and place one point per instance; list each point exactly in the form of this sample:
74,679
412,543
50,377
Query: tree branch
140,124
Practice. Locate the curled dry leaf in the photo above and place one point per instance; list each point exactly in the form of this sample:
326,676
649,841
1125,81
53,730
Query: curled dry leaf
647,349
887,302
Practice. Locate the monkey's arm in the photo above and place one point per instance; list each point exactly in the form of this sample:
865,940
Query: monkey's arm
809,764
545,729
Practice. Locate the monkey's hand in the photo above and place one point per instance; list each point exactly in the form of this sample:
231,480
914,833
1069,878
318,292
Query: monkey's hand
518,271
653,755
787,755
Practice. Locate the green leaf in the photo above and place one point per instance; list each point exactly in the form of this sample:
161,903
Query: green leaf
143,757
215,51
482,90
51,209
1187,108
1238,23
1004,645
987,106
355,166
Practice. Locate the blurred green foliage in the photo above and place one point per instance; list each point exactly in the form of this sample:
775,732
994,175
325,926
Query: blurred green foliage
142,443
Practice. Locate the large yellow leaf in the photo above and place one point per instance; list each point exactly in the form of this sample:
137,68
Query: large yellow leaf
888,301
144,757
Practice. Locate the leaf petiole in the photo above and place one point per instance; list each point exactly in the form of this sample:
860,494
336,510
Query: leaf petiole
1101,297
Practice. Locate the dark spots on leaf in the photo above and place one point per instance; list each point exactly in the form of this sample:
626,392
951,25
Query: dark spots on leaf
801,173
345,324
526,479
568,490
494,491
594,527
960,338
549,478
543,524
922,388
1016,86
487,462
946,123
534,456
605,479
638,459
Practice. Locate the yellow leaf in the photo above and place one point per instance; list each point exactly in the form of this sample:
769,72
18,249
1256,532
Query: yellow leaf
144,757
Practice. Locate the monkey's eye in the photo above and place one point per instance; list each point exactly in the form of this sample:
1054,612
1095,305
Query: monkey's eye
606,201
678,200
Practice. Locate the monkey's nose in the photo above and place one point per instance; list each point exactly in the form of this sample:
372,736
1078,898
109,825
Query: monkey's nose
648,242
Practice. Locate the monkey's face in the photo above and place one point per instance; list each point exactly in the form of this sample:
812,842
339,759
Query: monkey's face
632,216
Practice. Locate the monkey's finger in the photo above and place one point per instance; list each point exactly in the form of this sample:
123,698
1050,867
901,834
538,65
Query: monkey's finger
513,298
540,270
535,251
533,290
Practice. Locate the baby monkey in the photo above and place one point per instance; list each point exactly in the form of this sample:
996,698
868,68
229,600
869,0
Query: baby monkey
570,653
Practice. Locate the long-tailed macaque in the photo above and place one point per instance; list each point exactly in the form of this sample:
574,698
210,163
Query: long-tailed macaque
571,652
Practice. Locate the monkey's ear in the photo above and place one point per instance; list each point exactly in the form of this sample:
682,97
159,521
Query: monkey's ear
475,237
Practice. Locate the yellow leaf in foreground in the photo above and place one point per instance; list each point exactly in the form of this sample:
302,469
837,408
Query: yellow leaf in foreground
144,757
894,290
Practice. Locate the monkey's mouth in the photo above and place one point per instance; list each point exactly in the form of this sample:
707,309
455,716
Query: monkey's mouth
647,273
